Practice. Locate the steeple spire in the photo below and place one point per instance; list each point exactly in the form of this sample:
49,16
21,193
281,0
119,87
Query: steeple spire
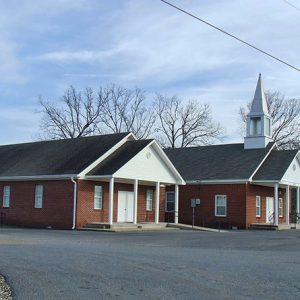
259,103
259,123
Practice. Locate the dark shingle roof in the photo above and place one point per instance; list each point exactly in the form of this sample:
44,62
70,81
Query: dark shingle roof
217,162
120,157
59,157
275,166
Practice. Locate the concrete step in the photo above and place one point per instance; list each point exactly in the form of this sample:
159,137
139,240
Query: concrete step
119,227
97,226
263,227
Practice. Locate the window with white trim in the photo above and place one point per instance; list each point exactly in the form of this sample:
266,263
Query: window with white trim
220,205
149,199
6,196
38,198
170,201
258,206
280,207
98,197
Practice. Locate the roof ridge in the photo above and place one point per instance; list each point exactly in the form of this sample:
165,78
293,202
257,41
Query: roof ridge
66,139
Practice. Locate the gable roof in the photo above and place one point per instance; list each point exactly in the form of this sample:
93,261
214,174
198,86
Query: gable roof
217,162
119,158
275,166
57,157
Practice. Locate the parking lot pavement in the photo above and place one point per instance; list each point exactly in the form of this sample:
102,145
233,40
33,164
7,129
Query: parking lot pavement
48,264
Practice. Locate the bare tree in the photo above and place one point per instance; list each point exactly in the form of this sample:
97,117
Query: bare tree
112,109
77,116
285,114
184,125
127,110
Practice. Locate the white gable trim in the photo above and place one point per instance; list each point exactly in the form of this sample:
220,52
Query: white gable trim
167,160
263,160
105,155
288,174
177,179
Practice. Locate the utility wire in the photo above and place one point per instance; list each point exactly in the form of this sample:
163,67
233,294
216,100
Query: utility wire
291,4
231,35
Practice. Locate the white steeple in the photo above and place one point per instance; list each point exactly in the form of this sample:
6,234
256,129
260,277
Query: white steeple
259,123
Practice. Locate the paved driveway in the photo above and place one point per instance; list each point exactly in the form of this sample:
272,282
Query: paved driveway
42,264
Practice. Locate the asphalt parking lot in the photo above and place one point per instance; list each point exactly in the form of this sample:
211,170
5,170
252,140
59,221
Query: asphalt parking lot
48,264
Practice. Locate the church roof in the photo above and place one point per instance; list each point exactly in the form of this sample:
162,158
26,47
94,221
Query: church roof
217,162
58,157
275,166
259,103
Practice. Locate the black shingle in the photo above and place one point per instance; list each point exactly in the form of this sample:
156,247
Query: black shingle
58,157
275,166
217,162
120,157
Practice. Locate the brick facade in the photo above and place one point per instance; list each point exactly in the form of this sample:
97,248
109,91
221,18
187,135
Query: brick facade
57,204
241,204
205,212
57,210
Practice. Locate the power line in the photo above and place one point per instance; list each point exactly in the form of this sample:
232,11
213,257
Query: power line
231,35
291,4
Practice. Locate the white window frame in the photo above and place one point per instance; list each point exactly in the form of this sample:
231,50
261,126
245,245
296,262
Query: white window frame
280,207
166,204
149,200
38,196
98,197
6,196
258,198
216,206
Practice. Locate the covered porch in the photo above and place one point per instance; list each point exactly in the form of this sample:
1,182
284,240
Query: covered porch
135,201
132,182
280,213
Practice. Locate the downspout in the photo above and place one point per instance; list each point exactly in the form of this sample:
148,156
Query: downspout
74,202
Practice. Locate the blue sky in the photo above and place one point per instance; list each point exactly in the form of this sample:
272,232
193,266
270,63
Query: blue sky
45,46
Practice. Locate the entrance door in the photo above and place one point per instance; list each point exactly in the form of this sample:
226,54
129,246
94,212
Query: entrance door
269,210
125,206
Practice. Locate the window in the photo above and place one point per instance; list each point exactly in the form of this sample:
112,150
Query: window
268,127
6,195
255,126
149,199
280,207
38,203
98,197
258,206
170,203
220,206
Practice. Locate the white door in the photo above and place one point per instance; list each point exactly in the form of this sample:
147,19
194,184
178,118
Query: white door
125,206
269,210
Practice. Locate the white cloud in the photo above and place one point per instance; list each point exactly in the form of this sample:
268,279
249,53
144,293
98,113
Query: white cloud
11,66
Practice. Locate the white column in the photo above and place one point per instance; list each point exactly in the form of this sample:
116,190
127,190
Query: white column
276,204
298,202
136,183
176,204
287,204
111,201
157,190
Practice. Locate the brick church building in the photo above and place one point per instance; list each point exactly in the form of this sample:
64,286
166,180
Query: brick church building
115,178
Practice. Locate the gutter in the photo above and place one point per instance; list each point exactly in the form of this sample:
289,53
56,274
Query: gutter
74,202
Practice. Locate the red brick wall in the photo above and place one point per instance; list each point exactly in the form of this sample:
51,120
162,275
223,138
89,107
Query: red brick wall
255,190
205,212
57,204
85,203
